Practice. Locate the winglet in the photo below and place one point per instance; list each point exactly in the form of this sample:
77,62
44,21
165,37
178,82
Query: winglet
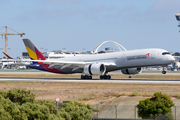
7,55
33,51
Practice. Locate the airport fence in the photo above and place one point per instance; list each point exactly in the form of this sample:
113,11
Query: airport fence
119,112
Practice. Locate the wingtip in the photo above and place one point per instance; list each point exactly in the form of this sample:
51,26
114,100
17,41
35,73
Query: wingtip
4,53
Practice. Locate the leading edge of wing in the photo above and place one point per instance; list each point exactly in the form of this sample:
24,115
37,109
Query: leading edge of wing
69,63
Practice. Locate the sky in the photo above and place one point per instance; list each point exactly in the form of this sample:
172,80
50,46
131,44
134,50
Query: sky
78,25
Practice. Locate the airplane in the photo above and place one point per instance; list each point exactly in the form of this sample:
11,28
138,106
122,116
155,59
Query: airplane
7,55
32,65
129,62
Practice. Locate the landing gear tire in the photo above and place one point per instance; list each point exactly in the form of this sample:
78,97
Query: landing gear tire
82,76
108,77
105,77
163,72
86,77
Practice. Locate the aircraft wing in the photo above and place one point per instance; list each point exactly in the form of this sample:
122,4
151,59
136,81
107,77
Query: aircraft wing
10,58
23,64
64,64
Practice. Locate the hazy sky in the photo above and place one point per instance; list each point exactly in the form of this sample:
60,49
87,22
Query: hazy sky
78,24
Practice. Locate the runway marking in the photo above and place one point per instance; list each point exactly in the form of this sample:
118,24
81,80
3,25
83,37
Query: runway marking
151,81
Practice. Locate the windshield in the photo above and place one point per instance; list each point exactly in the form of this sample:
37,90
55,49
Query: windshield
165,53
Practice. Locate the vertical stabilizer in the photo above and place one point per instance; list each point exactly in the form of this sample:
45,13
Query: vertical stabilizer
7,55
33,51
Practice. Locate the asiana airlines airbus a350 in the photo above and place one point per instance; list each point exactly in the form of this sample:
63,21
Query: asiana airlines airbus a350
129,62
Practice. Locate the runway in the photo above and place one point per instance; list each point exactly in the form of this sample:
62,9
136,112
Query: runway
111,73
130,80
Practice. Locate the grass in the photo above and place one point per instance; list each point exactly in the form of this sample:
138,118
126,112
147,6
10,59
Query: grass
178,96
112,94
134,93
82,97
144,94
42,75
147,94
90,91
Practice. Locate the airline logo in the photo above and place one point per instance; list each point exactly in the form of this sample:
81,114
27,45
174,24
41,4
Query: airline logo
138,57
147,54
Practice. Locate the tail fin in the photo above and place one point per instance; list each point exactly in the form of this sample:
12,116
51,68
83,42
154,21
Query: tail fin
7,55
33,51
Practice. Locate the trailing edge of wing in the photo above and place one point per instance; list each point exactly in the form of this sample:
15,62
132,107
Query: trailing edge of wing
63,63
75,68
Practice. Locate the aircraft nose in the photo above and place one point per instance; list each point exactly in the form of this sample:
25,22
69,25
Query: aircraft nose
171,59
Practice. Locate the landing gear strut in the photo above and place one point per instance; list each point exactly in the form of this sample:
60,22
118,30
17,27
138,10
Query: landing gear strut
86,77
163,72
105,77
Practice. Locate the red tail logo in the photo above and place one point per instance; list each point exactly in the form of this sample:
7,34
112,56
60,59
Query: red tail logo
148,54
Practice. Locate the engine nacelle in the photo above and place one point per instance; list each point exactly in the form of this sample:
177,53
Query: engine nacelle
176,64
94,69
131,71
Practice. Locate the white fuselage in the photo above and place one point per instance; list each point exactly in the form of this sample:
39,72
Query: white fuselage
126,59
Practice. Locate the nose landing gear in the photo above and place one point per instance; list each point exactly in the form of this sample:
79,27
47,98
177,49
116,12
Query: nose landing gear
163,72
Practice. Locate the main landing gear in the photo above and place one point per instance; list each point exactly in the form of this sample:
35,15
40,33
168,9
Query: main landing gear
90,77
105,77
86,77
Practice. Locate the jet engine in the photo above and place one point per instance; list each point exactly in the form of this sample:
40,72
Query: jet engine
176,64
131,71
94,69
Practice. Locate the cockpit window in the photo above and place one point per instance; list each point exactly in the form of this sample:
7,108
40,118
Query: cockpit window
165,53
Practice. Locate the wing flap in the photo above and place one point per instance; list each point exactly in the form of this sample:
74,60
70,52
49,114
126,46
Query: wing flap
64,66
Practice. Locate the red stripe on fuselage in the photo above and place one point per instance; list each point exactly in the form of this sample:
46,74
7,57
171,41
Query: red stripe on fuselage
40,56
51,69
